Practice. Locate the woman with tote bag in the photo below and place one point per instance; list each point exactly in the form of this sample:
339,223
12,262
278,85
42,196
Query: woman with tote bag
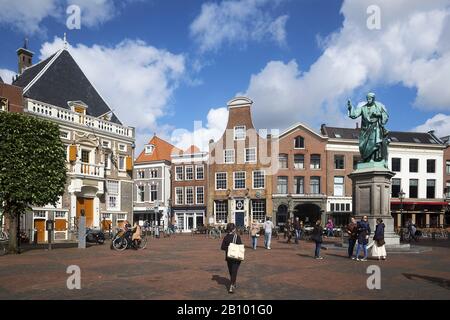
379,248
233,264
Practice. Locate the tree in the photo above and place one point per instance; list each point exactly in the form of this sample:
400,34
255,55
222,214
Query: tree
32,167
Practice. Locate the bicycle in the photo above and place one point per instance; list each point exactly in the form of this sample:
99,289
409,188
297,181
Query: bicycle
121,242
4,236
214,233
3,247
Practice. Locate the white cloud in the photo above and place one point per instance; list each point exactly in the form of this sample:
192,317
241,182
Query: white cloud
7,75
137,80
200,136
237,21
411,48
27,16
440,123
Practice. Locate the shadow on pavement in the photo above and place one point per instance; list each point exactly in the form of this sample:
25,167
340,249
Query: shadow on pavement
55,246
444,283
220,280
338,255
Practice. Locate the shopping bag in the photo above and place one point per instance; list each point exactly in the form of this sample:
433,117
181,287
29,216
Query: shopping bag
236,251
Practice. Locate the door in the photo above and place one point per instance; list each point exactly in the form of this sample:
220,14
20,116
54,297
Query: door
87,205
190,223
39,225
239,218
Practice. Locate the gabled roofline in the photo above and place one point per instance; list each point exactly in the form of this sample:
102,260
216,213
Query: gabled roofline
39,75
296,126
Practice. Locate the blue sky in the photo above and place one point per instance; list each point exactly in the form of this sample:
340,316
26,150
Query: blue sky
298,61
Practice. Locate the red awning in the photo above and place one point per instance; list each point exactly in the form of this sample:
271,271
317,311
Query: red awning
425,203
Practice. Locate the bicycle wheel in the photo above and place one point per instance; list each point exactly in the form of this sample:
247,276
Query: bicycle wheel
142,243
120,244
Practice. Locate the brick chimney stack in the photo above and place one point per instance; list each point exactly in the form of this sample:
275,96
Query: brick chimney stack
25,57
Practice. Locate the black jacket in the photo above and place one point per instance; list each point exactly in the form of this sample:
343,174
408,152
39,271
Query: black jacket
316,235
226,242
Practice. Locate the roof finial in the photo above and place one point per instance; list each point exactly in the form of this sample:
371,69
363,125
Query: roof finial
65,41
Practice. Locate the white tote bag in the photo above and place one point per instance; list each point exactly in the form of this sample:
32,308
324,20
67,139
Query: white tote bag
236,251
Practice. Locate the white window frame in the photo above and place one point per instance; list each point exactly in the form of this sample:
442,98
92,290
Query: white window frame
196,194
186,197
122,147
234,180
139,174
245,133
107,161
176,173
225,156
216,218
186,174
295,163
226,180
334,186
124,164
153,173
176,196
152,186
245,155
108,144
65,132
287,184
264,179
113,194
203,172
149,148
138,194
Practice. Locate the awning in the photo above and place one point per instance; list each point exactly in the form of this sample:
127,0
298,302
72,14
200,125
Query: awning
425,203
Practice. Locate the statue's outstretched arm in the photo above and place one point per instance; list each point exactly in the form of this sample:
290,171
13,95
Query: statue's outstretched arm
353,113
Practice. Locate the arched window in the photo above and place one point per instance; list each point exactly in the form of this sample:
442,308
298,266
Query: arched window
299,142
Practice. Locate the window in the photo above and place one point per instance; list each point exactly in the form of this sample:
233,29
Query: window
347,207
396,187
413,187
338,162
178,173
314,184
154,173
338,186
396,164
259,210
107,161
189,173
122,163
431,189
178,195
112,188
299,161
413,165
189,195
153,192
149,149
299,143
239,133
122,147
447,167
283,161
228,156
200,195
221,181
315,161
85,156
259,180
64,134
239,180
250,155
141,174
221,209
106,144
140,194
282,185
60,214
39,214
331,206
447,189
299,185
199,172
431,166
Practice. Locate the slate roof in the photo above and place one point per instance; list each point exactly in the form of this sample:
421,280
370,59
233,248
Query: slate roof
395,136
162,151
62,81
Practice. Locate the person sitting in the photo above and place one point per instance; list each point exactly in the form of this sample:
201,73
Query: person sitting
136,237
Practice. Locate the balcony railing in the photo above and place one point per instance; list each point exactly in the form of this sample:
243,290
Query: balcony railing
86,169
51,111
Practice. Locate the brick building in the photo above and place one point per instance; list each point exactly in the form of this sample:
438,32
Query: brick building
446,179
299,185
189,188
240,170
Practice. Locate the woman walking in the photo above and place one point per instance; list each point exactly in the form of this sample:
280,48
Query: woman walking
316,236
379,247
233,265
255,234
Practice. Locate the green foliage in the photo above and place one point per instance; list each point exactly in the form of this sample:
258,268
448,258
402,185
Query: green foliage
32,162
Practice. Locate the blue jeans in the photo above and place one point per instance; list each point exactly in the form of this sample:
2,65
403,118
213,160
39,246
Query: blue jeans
254,241
297,235
317,252
330,233
364,246
351,246
267,238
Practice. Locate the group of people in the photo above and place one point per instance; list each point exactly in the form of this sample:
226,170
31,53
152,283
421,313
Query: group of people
293,228
255,233
359,234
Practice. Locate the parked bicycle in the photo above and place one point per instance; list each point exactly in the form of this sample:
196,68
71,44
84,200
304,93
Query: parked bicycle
122,240
214,233
4,236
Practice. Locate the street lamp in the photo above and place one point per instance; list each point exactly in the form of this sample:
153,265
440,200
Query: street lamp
401,196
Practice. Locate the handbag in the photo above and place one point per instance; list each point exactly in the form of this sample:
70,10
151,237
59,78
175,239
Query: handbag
236,251
380,243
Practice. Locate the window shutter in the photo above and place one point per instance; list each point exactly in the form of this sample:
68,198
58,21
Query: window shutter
72,152
129,163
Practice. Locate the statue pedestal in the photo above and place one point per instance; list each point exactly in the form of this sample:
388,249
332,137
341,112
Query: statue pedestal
371,197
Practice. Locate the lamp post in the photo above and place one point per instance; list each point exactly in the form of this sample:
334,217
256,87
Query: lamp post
401,196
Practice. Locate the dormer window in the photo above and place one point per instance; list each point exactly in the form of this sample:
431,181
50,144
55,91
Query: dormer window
299,142
149,149
239,133
78,106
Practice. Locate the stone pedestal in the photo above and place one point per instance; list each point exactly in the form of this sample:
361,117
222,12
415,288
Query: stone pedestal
371,197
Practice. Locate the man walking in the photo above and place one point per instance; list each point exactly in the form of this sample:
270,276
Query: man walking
363,238
352,231
268,226
297,229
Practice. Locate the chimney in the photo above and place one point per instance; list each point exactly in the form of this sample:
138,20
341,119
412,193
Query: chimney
24,57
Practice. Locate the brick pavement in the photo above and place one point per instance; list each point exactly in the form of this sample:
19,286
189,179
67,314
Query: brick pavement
186,267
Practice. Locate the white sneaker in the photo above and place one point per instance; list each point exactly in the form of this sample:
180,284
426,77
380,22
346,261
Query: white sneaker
364,259
268,248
